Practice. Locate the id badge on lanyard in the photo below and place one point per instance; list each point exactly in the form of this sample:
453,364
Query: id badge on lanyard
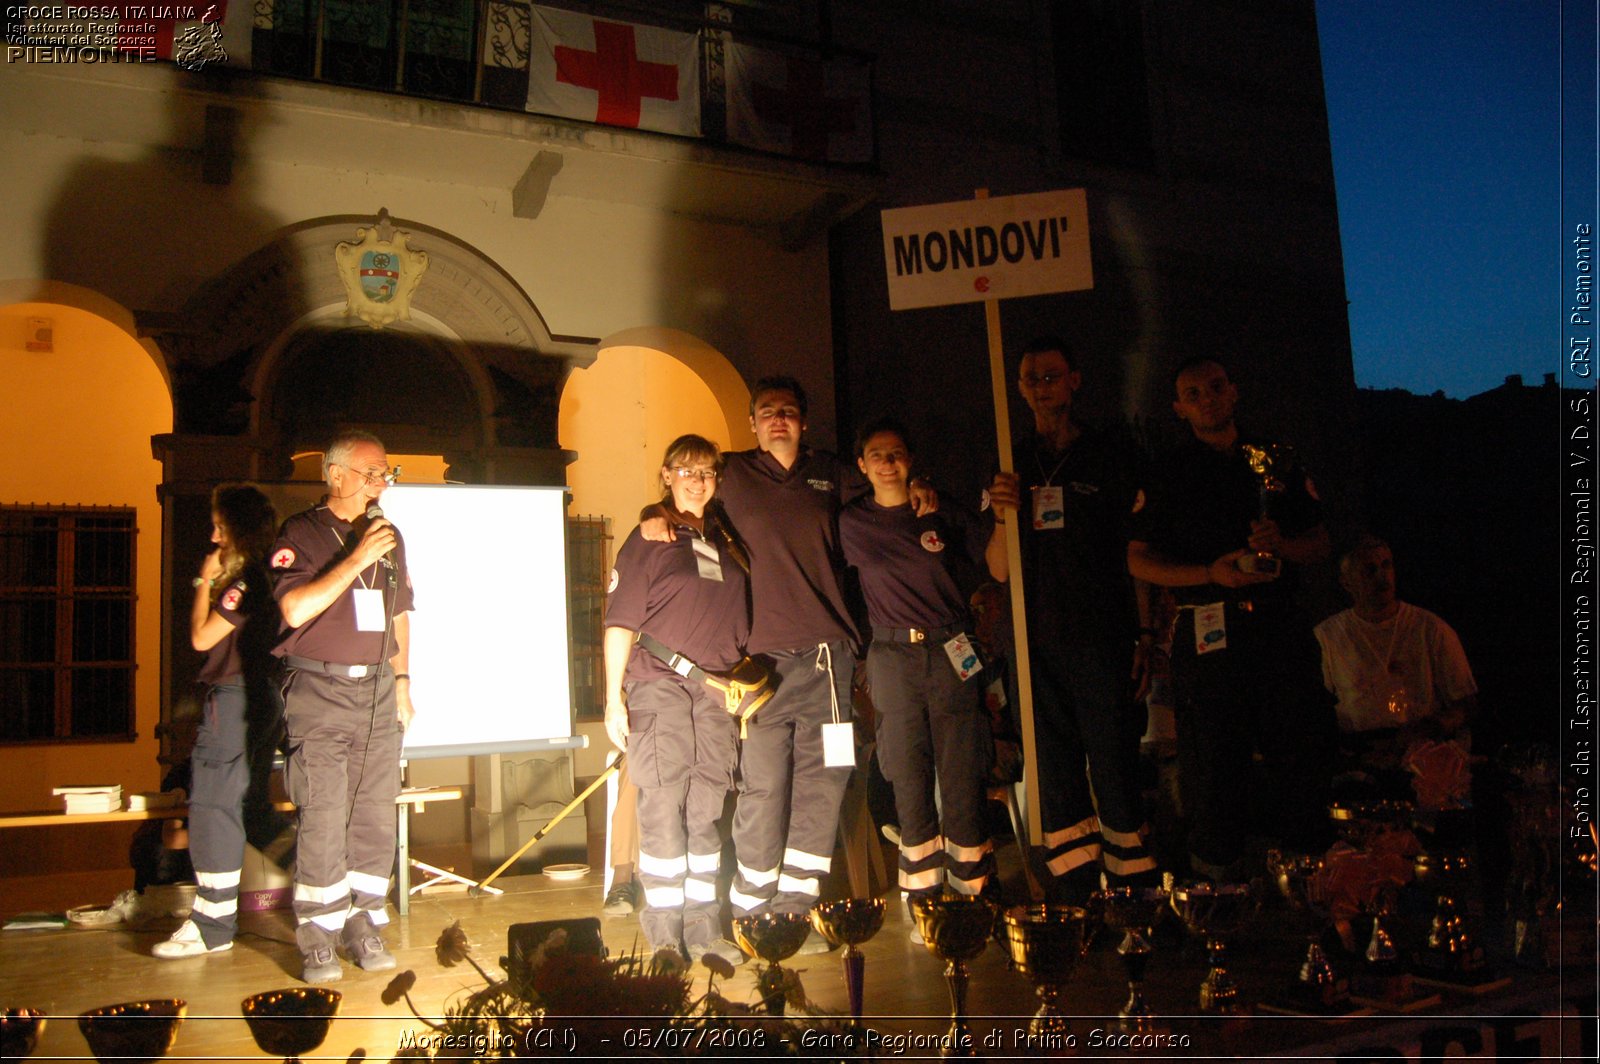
962,657
1210,628
706,560
369,609
1049,507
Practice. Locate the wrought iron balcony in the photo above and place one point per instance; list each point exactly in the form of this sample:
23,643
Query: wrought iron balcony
478,52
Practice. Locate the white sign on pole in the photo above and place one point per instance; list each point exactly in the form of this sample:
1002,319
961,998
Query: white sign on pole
980,249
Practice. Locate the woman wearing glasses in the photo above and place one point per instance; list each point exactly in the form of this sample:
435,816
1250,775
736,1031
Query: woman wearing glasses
234,622
684,602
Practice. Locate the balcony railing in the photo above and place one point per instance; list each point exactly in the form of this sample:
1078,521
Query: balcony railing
477,52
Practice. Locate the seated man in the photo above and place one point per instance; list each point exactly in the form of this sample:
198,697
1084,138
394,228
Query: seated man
1398,671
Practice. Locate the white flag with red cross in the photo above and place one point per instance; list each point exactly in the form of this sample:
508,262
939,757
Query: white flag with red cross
614,73
799,105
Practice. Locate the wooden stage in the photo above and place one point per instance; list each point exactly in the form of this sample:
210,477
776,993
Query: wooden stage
67,971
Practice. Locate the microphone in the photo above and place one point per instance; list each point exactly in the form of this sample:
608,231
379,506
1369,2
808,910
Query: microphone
374,512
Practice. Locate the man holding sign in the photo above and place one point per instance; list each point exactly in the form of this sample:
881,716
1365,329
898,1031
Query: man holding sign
1069,499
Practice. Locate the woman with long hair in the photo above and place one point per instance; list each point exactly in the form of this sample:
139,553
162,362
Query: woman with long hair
234,622
684,602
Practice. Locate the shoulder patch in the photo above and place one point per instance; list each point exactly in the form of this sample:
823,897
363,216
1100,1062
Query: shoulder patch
612,582
230,598
1138,500
283,558
932,542
983,501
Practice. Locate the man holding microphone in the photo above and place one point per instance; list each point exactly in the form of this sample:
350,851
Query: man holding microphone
339,575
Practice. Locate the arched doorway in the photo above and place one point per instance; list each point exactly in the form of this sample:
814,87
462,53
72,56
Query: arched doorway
646,387
81,544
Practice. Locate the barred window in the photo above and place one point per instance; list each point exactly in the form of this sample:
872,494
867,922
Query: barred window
587,565
66,622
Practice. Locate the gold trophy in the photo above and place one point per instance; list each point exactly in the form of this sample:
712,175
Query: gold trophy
955,928
849,923
19,1032
1215,911
1358,822
774,937
290,1022
1452,954
1319,989
1046,942
1134,911
137,1032
1267,462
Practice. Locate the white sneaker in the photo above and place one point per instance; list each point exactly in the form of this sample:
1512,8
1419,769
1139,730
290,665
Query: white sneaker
186,942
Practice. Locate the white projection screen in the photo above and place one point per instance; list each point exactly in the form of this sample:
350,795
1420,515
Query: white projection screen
489,660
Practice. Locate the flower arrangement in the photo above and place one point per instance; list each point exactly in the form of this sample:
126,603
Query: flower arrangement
575,1003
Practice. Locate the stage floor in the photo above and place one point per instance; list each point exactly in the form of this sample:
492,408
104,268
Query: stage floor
65,972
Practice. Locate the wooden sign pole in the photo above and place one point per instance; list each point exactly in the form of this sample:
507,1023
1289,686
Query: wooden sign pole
1019,618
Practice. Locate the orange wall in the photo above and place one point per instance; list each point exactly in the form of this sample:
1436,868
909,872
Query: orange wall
619,415
77,430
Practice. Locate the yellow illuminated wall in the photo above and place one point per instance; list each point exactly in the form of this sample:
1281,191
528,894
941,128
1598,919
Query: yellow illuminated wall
619,415
76,430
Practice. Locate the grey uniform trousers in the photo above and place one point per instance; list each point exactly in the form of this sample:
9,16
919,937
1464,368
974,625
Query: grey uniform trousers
344,774
682,748
229,768
787,820
932,726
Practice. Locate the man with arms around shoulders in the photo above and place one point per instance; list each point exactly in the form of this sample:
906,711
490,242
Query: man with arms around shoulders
783,498
341,582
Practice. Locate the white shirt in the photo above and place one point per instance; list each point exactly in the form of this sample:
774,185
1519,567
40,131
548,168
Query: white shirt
1395,672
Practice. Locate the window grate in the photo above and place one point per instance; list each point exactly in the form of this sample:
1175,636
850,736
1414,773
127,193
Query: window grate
66,622
588,561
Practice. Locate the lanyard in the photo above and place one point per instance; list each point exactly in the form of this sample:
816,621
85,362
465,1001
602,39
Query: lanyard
361,577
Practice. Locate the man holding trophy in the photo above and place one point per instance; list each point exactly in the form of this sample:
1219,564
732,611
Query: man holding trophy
1224,522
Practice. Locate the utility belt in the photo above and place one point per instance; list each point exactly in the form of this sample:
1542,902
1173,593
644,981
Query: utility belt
918,635
333,668
743,689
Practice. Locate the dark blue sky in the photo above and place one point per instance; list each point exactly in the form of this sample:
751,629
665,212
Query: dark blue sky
1446,128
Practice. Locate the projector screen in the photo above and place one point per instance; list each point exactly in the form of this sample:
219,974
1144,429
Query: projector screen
489,661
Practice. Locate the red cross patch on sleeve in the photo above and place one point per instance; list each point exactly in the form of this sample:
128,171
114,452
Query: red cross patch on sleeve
931,541
284,558
230,599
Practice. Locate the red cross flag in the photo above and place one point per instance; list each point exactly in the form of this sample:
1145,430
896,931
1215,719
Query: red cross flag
797,105
615,73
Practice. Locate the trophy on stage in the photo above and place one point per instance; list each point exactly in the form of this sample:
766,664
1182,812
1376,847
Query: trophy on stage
955,928
1319,988
1215,911
19,1032
1452,954
849,923
136,1032
1046,942
774,937
1134,911
290,1022
1268,462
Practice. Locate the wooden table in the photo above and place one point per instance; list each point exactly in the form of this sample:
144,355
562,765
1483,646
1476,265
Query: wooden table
408,799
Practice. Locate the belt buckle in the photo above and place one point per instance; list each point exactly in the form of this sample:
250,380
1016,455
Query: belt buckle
356,672
917,634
